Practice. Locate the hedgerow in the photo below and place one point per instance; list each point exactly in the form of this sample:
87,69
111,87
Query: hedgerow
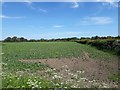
106,44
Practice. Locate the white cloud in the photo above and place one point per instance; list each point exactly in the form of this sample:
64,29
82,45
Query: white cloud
72,33
29,2
43,10
2,2
96,21
38,9
9,17
113,3
61,34
75,5
57,26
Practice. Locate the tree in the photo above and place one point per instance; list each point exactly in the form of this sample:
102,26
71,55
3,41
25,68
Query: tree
96,37
109,37
14,39
22,39
8,39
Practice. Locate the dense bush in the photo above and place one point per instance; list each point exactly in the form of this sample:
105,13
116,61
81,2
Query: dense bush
84,41
108,44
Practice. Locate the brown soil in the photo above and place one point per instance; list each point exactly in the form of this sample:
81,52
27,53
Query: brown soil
94,69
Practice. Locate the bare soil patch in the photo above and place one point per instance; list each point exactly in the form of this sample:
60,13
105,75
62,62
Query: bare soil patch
94,69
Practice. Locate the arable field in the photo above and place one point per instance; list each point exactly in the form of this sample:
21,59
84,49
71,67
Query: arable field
57,65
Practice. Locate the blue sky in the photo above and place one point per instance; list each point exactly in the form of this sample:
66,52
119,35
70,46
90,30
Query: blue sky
35,20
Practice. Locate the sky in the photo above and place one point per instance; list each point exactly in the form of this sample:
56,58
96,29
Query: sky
36,20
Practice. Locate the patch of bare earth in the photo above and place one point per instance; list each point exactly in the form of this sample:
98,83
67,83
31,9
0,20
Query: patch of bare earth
94,69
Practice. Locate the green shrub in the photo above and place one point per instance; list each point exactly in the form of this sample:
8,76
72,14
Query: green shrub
108,44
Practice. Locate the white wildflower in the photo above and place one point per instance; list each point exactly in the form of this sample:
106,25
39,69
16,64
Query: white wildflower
39,82
54,69
2,53
33,87
78,81
57,84
75,76
61,83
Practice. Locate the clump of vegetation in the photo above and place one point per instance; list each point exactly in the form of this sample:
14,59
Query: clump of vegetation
115,77
103,43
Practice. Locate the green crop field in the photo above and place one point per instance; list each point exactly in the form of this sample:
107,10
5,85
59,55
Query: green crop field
20,74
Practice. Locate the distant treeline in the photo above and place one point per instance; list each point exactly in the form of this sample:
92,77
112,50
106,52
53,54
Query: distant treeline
22,39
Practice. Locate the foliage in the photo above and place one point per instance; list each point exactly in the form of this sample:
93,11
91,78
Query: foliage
22,39
115,77
108,44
